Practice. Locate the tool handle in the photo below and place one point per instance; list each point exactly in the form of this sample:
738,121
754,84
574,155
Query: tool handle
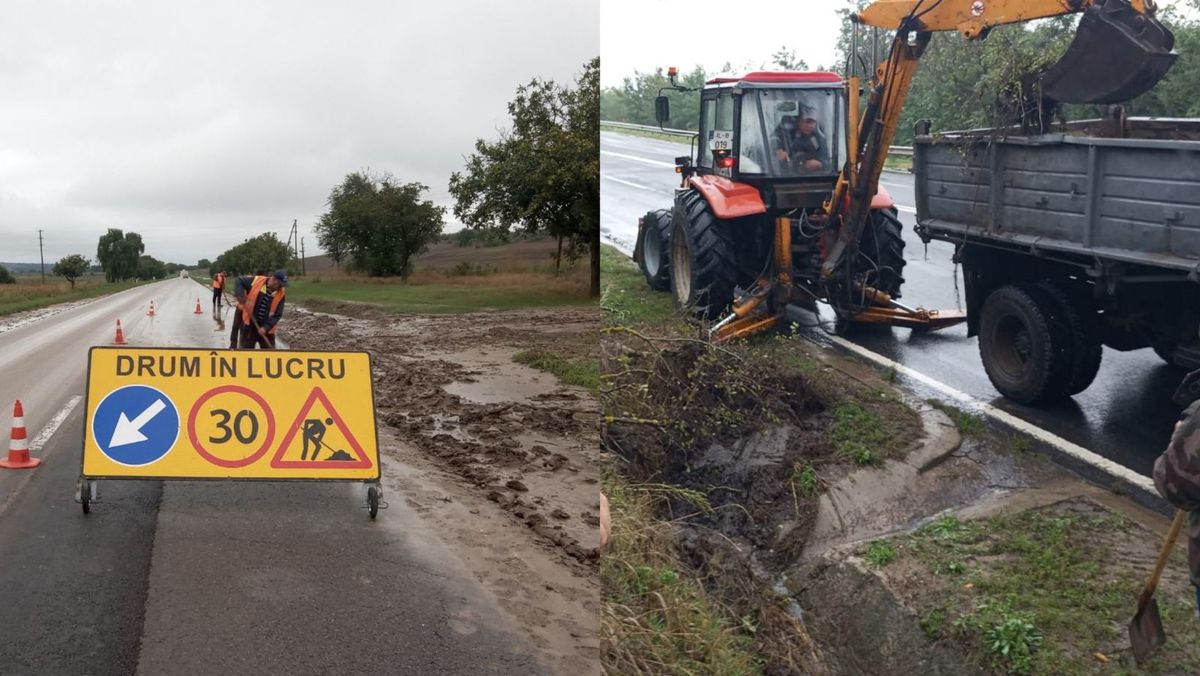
1168,545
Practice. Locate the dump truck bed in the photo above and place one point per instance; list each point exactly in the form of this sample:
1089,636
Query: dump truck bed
1118,190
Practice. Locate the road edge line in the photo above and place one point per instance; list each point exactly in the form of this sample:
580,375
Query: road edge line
1071,450
51,427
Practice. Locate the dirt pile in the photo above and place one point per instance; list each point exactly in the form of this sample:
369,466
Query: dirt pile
448,386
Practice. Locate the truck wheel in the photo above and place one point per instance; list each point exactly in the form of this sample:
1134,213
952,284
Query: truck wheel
1085,346
1025,345
883,242
703,264
655,249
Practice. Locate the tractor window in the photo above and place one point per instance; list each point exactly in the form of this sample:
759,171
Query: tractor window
717,116
791,132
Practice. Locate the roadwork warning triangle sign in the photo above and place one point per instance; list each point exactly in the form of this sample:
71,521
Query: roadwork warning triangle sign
318,438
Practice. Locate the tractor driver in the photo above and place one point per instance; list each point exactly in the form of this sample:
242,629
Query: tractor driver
801,146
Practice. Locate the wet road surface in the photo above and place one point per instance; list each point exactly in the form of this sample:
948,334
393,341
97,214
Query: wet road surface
210,577
1126,415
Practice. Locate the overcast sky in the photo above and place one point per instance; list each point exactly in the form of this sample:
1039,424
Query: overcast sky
641,35
201,124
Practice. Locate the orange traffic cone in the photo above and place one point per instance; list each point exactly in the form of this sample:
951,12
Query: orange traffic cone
18,447
120,339
151,312
198,310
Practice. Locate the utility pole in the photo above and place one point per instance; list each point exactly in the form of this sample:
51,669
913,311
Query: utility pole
42,255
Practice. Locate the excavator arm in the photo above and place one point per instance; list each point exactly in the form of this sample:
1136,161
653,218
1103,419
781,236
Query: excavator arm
1120,50
973,18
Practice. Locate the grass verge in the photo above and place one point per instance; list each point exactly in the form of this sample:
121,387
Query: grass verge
656,619
626,299
670,138
583,371
24,296
444,294
1044,591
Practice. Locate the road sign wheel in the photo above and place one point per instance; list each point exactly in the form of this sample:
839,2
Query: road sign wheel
372,500
85,497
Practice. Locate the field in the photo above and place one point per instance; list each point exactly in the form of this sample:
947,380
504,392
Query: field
452,279
525,254
29,293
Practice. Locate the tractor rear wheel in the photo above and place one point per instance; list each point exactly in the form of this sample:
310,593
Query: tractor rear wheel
703,265
882,241
655,249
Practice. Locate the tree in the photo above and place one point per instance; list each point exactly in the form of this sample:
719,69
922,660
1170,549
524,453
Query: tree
786,59
71,268
150,267
543,175
634,100
378,223
118,254
257,255
204,264
6,276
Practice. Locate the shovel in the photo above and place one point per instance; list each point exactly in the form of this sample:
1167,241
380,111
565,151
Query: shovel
1145,629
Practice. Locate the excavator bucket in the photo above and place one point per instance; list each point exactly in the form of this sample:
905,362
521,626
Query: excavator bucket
1116,55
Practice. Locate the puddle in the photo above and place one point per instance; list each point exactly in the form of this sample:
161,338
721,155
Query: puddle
493,389
496,377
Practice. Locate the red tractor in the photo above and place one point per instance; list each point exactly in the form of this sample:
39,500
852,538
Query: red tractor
772,145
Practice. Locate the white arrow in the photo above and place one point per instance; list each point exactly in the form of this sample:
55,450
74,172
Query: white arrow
130,431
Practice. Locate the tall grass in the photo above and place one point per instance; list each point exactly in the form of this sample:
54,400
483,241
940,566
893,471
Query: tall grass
29,293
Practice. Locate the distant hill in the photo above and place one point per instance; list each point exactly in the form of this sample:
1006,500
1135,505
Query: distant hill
447,254
26,268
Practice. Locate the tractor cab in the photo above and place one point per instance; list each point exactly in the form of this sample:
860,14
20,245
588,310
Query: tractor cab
784,133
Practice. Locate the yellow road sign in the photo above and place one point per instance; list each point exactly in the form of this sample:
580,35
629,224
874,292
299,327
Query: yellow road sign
236,414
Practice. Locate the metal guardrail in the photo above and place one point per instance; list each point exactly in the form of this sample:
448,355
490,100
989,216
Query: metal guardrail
902,151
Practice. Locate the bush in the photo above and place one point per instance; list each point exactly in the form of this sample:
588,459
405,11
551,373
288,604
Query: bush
6,276
467,269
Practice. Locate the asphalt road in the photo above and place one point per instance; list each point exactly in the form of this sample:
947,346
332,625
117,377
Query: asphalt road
1126,415
210,577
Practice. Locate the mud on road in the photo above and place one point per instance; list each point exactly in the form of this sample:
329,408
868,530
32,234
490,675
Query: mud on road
500,456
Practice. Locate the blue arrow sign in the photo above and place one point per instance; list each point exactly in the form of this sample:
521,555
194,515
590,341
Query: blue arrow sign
135,425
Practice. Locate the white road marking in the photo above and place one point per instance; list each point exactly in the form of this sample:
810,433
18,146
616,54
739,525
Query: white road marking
1074,450
904,209
51,427
635,158
631,184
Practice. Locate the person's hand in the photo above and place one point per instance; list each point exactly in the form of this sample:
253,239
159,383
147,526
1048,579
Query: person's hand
262,332
813,165
781,154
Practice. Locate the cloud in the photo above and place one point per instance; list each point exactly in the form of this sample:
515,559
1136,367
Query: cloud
198,125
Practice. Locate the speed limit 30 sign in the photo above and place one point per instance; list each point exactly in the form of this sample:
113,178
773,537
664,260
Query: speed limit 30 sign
229,414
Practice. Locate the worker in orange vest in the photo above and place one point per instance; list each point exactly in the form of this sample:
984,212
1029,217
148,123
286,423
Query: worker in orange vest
218,290
260,305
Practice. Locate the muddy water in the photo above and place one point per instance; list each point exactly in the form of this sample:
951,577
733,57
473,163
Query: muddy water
495,377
